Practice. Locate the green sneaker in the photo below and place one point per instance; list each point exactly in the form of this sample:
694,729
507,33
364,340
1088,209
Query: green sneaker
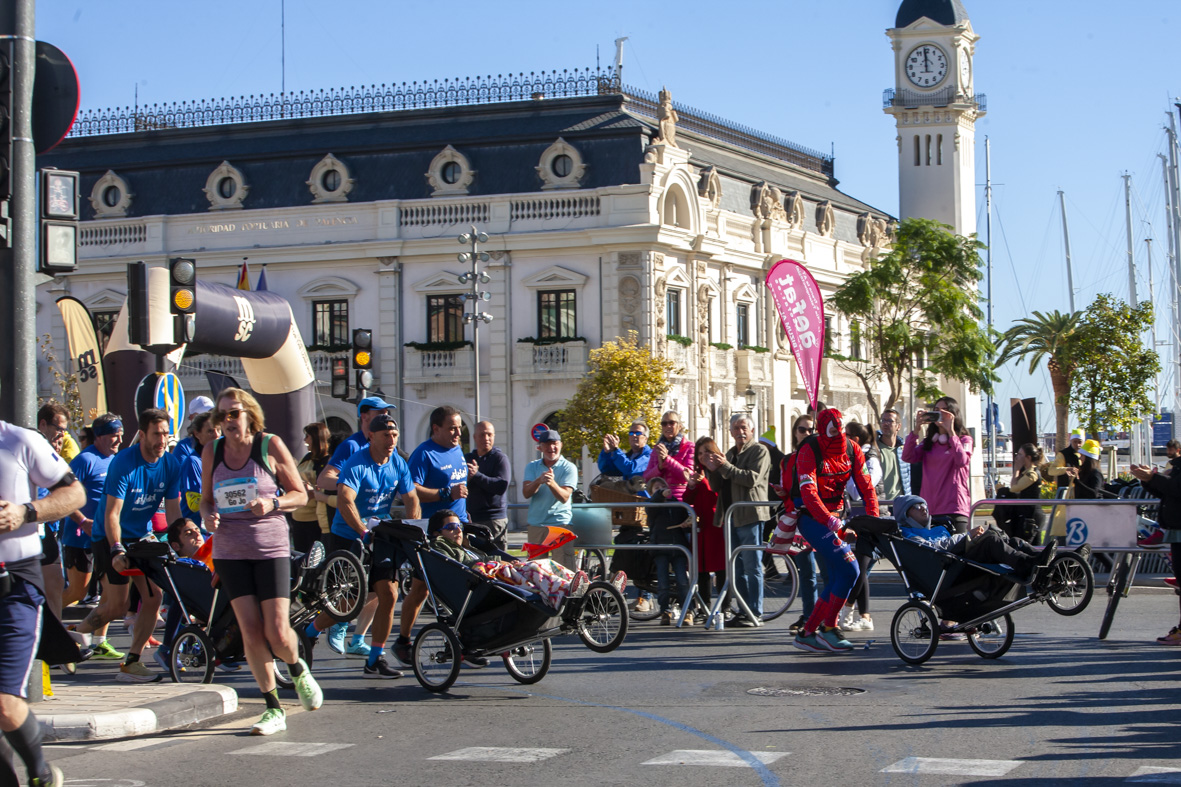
273,720
105,650
310,695
53,778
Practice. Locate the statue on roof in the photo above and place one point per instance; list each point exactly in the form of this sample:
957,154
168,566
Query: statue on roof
667,117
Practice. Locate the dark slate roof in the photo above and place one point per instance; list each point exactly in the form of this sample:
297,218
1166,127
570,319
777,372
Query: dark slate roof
944,12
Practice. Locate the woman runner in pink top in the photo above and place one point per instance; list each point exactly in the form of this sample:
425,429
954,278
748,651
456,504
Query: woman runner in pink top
243,477
946,454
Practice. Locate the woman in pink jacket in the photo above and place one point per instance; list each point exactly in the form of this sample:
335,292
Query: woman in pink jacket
945,454
672,456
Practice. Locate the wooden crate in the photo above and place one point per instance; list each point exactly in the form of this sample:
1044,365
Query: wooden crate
635,517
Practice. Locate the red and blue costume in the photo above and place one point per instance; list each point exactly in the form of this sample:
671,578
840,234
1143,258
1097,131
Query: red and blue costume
823,465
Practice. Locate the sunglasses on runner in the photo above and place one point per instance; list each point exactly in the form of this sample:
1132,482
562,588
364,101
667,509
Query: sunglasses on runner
229,415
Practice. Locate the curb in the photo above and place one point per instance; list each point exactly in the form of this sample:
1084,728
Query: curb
208,702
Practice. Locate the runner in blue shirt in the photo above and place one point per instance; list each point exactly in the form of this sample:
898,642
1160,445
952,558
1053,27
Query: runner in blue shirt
204,432
439,470
138,478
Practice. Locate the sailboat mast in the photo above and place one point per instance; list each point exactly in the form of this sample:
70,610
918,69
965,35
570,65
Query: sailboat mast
1066,241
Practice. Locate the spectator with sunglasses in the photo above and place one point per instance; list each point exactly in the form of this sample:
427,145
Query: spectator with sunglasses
672,458
614,462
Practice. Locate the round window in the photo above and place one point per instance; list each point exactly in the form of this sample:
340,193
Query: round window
111,196
331,180
227,188
451,172
562,165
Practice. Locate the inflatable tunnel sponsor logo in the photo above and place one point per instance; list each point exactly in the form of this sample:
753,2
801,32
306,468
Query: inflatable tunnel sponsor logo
245,319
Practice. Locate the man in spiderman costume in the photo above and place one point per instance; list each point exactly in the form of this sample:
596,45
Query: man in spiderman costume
814,486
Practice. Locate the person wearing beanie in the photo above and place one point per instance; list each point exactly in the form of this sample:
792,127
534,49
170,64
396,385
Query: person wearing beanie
1066,459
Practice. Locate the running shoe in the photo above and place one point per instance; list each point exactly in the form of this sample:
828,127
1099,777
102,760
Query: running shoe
273,720
643,605
578,584
1155,538
51,778
83,640
809,642
381,669
798,626
358,649
690,619
229,666
137,672
162,659
619,580
310,695
1171,582
105,650
833,639
403,654
474,662
666,618
1172,638
336,635
742,621
69,669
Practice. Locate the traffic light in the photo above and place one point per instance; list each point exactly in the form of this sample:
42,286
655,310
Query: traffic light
6,98
58,249
340,378
362,348
182,285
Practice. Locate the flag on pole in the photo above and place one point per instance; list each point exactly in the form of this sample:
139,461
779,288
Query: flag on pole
801,312
262,279
86,357
243,278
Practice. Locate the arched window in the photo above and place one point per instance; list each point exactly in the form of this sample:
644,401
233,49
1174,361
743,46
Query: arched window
928,150
939,151
916,150
676,209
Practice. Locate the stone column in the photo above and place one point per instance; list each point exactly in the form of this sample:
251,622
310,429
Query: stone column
389,326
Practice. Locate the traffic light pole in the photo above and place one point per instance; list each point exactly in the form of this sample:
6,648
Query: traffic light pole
18,254
475,316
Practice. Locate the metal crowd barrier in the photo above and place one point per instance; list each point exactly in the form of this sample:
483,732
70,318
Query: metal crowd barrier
1109,536
690,553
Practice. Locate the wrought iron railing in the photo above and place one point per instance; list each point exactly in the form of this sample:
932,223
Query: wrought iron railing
430,94
911,99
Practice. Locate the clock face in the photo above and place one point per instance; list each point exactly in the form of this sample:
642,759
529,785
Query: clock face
926,65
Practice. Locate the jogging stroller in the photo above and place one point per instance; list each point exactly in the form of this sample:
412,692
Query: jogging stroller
335,584
479,616
982,596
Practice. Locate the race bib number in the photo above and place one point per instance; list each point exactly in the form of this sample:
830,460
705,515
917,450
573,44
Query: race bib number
233,495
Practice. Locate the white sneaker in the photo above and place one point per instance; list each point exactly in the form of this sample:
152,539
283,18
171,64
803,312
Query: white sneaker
865,623
847,621
642,605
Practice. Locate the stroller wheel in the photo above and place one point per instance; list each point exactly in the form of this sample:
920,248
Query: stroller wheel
344,584
914,632
529,663
992,639
1069,583
282,678
193,656
602,620
436,657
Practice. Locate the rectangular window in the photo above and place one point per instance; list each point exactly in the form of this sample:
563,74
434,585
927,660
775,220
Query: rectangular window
330,324
917,160
444,318
556,314
928,150
828,330
673,316
939,150
743,337
104,325
855,340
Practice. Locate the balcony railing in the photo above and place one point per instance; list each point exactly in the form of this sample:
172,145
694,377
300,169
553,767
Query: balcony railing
566,360
753,367
912,99
441,366
194,368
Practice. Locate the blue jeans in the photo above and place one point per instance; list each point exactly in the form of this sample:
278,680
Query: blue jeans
806,568
680,565
748,574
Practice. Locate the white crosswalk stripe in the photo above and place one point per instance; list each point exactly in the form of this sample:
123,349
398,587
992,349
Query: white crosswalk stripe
280,749
1151,774
500,754
952,767
133,745
725,759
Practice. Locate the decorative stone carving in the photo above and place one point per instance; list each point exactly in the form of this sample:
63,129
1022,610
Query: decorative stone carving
551,164
667,117
709,185
437,178
658,260
661,289
110,196
630,259
767,202
794,208
826,220
629,302
871,231
321,178
225,188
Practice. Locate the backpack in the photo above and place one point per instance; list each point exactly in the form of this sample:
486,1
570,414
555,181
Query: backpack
258,454
815,446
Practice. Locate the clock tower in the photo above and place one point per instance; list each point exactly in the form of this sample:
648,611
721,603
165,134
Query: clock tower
935,110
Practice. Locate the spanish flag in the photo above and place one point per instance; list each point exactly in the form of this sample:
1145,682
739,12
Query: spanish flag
243,278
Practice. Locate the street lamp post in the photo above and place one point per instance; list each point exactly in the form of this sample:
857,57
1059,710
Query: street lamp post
474,296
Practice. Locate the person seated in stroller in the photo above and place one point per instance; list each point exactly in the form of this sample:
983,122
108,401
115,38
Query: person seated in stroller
553,581
186,539
981,544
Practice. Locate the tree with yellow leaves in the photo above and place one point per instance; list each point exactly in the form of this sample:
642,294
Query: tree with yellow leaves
623,385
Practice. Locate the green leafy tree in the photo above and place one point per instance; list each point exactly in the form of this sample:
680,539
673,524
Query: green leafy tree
66,384
1050,337
1113,369
624,385
919,300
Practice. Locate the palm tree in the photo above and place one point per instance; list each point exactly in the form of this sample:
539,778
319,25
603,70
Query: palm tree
1046,336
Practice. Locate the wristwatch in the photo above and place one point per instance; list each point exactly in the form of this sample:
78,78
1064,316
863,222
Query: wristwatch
30,513
444,493
275,503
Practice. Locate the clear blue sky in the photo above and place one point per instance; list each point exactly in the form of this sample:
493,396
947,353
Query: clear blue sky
1077,94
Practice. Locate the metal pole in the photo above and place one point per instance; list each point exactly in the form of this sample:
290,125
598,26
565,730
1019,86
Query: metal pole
1066,242
1148,418
1173,302
1134,447
988,229
18,257
475,337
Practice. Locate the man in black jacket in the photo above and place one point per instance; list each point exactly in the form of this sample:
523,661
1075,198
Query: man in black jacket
489,476
1168,488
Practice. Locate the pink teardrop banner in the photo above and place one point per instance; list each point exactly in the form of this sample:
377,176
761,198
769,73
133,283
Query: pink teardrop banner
801,312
